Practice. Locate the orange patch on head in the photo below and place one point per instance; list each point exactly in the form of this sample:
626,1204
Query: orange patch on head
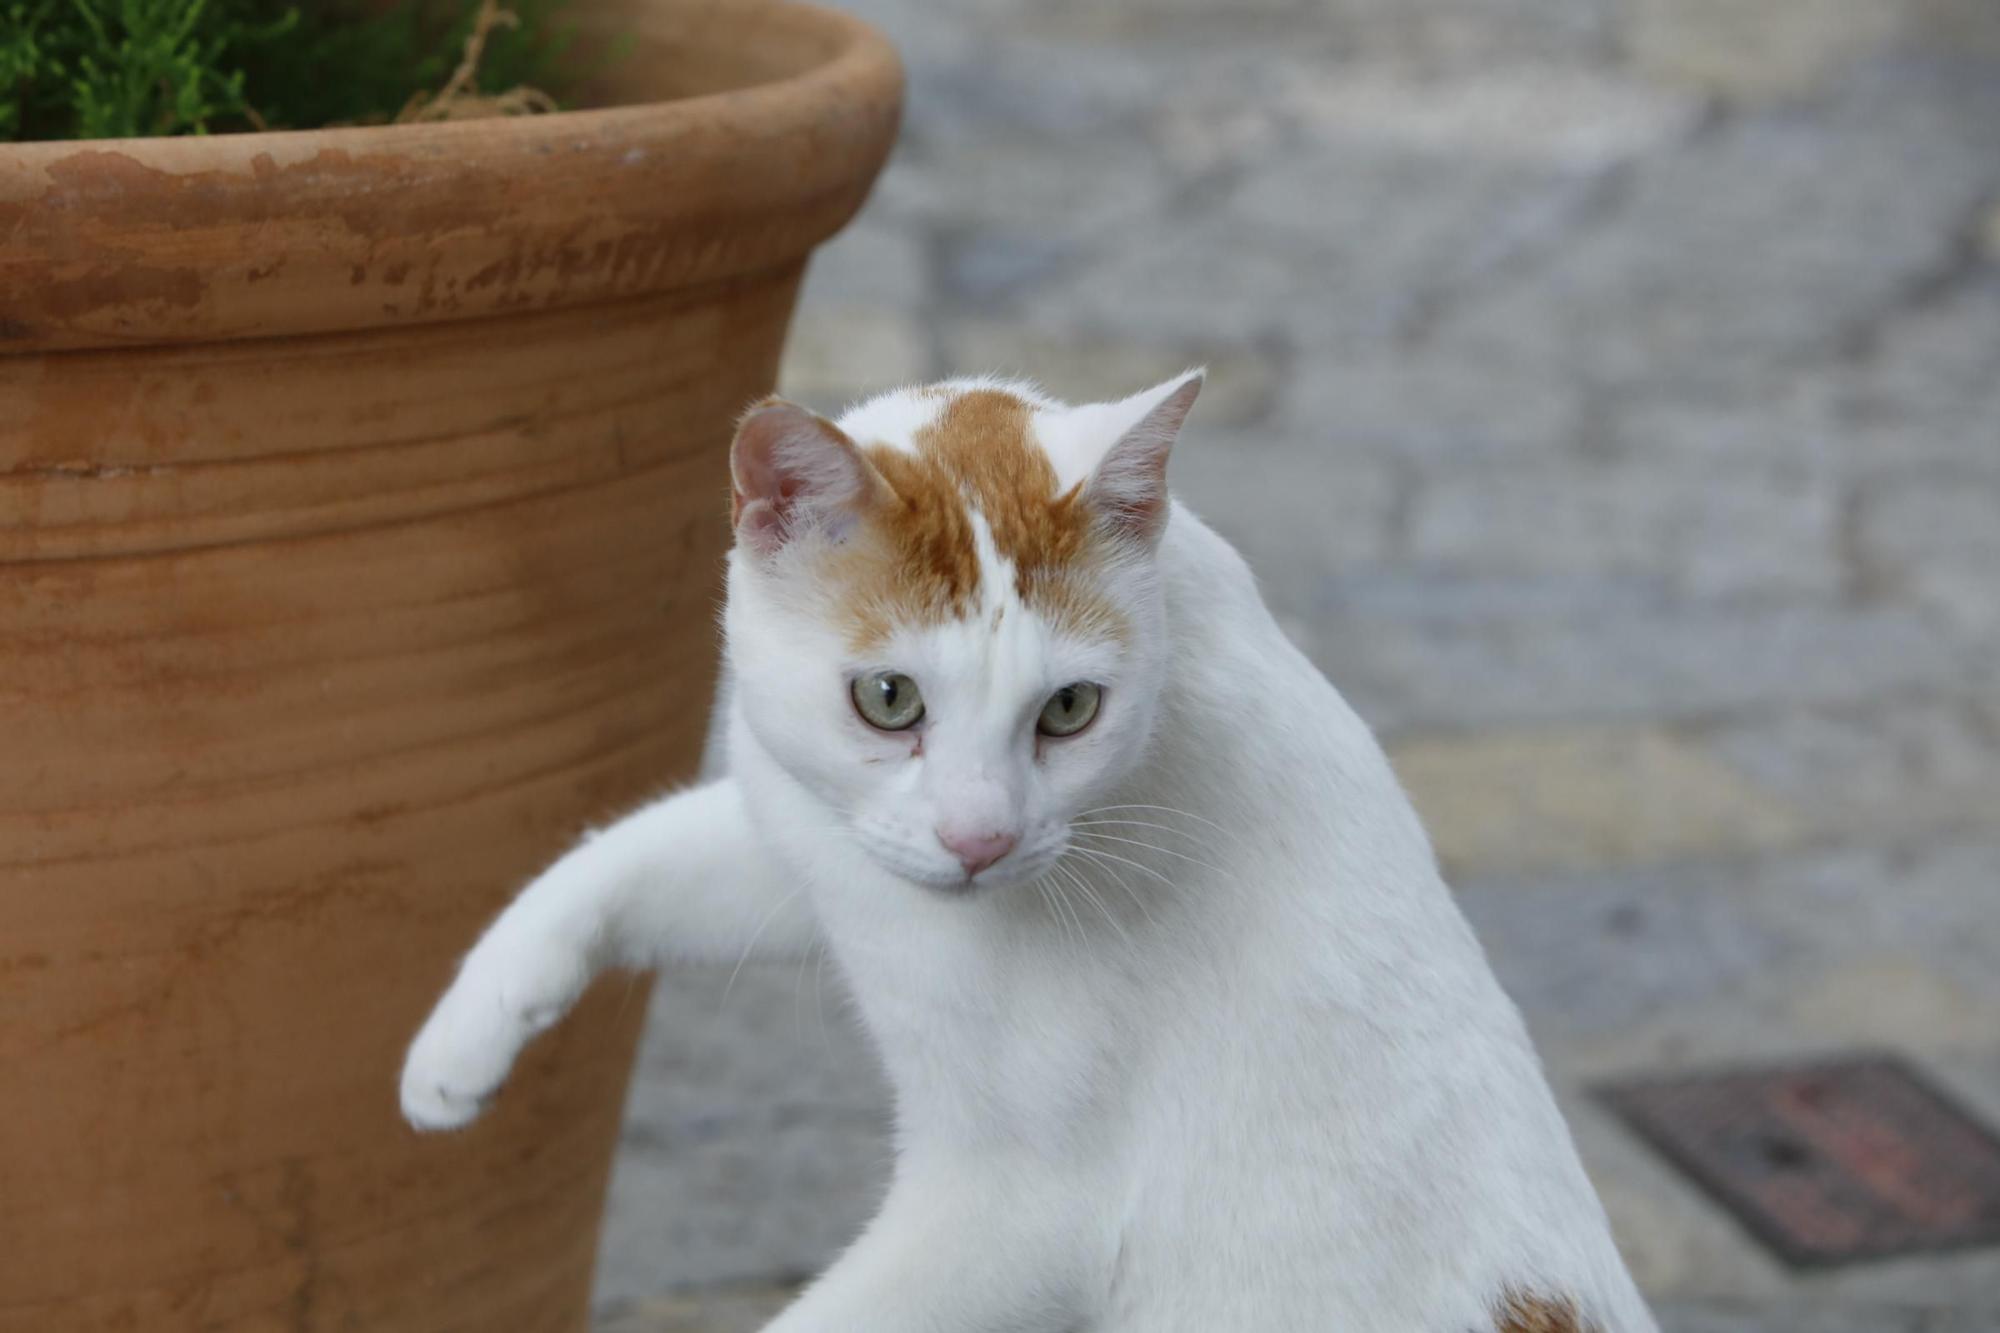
980,453
1525,1312
922,564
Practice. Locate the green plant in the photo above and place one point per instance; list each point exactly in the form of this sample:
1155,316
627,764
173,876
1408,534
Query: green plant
88,69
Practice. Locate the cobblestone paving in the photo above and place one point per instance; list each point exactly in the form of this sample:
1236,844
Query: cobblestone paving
1630,457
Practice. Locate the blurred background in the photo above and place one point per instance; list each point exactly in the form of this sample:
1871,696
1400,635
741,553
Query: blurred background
1607,393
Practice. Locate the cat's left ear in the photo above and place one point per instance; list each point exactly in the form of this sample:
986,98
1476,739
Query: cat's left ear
793,471
1128,488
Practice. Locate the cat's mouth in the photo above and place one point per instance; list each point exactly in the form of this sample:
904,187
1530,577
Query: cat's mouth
916,861
1015,869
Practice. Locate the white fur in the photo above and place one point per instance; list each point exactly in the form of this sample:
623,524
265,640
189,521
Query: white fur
1245,1070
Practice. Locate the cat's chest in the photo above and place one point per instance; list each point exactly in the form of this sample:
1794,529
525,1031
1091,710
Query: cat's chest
1019,1043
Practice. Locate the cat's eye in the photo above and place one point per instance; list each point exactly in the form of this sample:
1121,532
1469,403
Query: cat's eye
1069,710
888,701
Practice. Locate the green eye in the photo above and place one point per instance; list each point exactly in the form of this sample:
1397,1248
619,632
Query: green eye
888,701
1069,710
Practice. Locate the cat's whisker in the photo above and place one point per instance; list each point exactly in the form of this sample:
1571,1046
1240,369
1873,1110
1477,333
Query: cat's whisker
631,989
1139,823
1073,922
1048,901
1090,896
1163,809
819,997
1130,892
751,947
1079,833
1099,852
1076,918
799,991
1086,818
1142,823
1163,851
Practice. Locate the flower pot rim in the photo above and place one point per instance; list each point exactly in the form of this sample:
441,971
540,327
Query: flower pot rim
198,238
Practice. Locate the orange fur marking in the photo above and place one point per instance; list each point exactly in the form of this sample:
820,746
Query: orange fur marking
1523,1312
984,441
931,570
980,454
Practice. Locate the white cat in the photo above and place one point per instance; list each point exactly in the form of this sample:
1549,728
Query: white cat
1186,1032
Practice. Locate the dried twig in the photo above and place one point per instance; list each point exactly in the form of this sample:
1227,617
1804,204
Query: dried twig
460,99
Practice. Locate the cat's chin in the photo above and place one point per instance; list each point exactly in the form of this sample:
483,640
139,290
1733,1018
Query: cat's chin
995,879
954,886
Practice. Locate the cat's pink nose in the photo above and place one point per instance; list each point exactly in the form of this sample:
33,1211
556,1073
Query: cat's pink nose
976,851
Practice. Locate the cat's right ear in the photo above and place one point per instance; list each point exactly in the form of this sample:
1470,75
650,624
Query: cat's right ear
793,471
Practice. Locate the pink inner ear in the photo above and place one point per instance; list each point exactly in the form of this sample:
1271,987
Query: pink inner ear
792,469
1129,487
761,525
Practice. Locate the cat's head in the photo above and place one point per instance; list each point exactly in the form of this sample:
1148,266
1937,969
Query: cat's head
944,615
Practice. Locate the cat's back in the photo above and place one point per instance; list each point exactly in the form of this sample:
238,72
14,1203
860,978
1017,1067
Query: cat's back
1342,1122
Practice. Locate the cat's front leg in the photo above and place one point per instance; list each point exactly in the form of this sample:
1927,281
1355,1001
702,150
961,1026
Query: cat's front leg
982,1250
683,877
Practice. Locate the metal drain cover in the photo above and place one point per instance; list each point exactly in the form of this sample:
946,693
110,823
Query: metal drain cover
1829,1163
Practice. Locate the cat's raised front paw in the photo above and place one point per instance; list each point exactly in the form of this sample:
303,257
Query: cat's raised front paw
462,1055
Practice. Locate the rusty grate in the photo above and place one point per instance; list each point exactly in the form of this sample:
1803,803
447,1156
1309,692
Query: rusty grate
1830,1163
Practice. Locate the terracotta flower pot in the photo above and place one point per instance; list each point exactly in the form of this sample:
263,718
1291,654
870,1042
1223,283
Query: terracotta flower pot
362,496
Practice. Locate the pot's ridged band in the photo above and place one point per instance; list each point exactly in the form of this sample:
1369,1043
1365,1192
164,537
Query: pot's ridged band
194,447
164,240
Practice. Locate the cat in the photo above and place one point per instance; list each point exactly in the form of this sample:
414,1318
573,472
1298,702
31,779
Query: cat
1186,1033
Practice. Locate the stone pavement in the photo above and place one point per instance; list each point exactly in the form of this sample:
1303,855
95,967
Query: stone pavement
1620,429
